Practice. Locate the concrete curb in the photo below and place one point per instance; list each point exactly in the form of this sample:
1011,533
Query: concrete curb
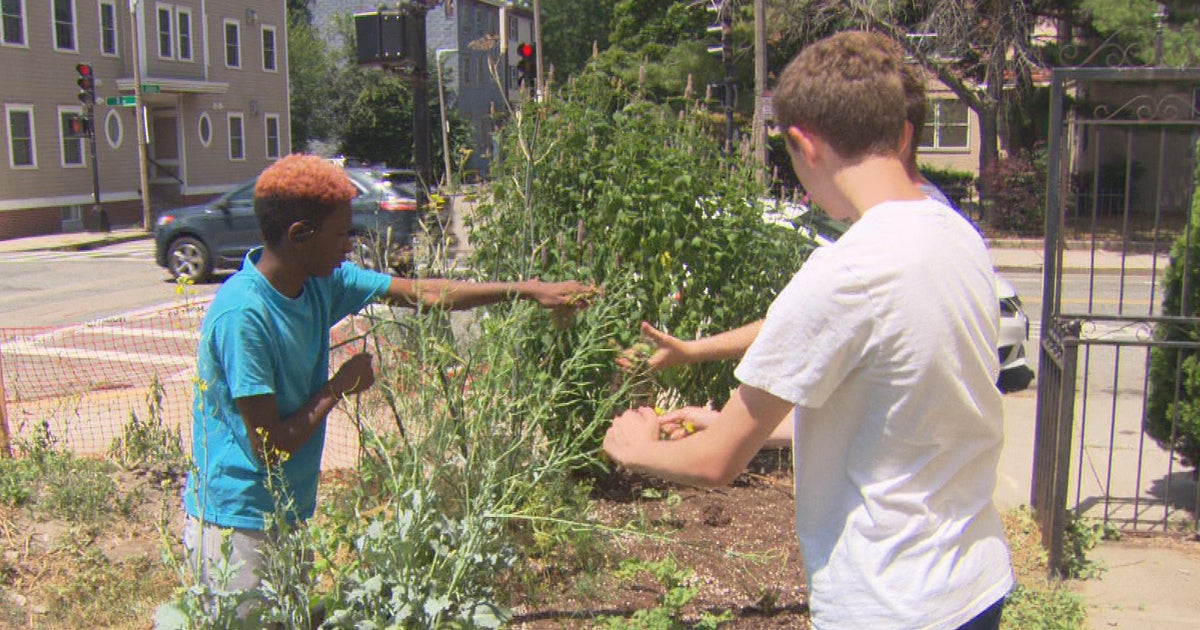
101,242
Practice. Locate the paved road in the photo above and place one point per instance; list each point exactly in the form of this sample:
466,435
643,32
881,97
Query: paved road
58,288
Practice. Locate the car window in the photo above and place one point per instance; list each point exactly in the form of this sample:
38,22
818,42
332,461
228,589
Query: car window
243,195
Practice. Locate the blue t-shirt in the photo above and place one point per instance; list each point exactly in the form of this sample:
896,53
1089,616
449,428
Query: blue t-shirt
256,341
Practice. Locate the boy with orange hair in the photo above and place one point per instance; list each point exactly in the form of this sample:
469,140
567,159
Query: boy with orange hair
263,357
880,352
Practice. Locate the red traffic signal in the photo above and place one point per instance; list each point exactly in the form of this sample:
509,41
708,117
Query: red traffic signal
86,83
525,50
79,127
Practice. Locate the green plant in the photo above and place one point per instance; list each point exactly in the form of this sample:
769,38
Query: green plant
668,615
1173,402
1051,607
1036,602
600,183
17,478
1079,538
149,443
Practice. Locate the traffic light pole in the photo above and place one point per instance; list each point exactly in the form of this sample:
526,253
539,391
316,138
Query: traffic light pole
97,209
140,118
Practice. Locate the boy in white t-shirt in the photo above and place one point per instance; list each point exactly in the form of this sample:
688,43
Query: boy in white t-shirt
881,352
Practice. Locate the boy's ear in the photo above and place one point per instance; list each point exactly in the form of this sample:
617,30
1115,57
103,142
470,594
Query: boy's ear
801,142
299,232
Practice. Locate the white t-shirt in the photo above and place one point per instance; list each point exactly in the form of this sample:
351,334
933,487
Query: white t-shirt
886,342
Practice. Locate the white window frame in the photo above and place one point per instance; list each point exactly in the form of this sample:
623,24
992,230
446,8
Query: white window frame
162,10
183,41
204,119
111,5
114,114
63,139
237,45
274,48
9,109
268,119
24,43
229,118
935,125
74,27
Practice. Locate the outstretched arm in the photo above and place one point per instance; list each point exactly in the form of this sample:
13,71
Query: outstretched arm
460,295
671,351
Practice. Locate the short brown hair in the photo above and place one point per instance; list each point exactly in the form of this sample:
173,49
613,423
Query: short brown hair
847,89
299,187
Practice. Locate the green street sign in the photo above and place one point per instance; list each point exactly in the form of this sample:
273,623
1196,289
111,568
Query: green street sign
121,101
151,88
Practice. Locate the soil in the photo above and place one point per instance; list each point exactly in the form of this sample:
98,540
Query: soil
739,542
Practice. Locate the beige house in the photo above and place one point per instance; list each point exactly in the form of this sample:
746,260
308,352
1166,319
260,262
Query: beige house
215,92
950,140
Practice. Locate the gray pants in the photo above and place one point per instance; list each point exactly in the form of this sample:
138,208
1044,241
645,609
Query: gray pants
202,542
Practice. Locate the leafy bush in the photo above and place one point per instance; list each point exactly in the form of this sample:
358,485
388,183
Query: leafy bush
955,184
55,482
600,184
1015,194
1173,405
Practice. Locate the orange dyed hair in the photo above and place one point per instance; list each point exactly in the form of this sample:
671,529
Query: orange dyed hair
299,188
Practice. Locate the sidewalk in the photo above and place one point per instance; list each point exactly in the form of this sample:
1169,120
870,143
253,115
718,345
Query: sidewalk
73,241
1146,585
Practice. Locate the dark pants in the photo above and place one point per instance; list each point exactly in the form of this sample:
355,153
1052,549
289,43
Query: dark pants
986,620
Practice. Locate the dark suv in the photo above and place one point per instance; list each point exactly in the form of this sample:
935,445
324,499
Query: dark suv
194,241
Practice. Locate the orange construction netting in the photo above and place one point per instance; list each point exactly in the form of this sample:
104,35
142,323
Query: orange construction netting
80,384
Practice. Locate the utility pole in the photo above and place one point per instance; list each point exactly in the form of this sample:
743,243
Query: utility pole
760,85
539,82
727,59
437,59
140,117
723,10
417,53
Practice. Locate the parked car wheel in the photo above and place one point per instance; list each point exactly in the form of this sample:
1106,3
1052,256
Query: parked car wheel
188,258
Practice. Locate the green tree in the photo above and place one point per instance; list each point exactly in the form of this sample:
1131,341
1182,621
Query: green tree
311,73
1134,24
1173,405
569,30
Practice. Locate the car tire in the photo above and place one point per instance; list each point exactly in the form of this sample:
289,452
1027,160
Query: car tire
188,258
1015,379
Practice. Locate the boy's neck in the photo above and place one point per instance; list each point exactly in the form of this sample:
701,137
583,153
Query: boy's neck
870,182
288,278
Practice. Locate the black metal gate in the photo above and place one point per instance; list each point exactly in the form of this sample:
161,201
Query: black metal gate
1122,166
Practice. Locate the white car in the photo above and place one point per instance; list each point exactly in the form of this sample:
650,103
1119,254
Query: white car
1015,373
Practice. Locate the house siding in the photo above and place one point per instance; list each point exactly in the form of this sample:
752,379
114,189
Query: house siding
50,197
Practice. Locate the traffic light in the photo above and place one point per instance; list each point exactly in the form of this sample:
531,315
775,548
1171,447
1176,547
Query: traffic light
527,66
79,126
86,83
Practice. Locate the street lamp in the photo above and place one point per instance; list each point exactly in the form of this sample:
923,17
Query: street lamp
437,58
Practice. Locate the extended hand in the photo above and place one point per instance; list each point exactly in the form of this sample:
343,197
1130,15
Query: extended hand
668,351
569,294
355,375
